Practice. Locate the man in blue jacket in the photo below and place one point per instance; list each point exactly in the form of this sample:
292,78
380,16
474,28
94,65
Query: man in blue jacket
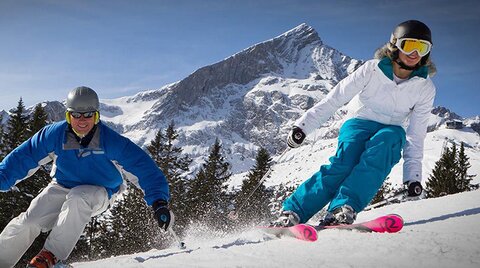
90,161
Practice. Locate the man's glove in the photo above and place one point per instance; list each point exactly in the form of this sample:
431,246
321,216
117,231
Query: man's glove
295,137
163,215
414,188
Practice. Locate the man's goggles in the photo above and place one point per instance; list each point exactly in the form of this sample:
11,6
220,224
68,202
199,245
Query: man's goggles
85,114
408,45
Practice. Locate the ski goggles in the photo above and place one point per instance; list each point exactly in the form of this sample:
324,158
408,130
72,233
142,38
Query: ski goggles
409,45
85,114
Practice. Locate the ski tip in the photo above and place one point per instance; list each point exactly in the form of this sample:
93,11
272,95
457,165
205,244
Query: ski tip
304,232
393,223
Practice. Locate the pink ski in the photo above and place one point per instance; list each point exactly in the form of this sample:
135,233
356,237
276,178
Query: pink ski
390,223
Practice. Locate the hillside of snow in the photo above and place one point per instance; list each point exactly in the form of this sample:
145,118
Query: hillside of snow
440,232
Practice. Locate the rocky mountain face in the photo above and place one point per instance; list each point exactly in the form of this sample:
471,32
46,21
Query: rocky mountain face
445,113
54,109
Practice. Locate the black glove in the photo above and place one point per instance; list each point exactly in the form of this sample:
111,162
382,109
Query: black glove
163,215
414,188
295,137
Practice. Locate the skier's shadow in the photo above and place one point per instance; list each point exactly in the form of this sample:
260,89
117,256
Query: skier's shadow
141,259
467,212
238,242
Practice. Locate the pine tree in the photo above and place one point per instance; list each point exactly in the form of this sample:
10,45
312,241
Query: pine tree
37,120
157,148
17,200
450,173
207,194
14,201
256,207
17,127
463,163
174,166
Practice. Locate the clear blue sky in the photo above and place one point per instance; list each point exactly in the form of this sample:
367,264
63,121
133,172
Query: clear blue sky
122,47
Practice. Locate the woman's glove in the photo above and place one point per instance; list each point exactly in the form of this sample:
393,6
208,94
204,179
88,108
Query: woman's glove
414,188
295,137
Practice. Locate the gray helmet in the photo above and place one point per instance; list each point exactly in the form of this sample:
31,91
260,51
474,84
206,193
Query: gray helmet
82,99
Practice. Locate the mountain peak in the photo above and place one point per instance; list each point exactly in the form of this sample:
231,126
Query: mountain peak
445,113
302,32
280,55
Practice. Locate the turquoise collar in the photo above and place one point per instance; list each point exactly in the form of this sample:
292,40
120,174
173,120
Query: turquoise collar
386,66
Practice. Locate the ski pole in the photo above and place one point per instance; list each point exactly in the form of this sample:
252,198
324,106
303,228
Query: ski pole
395,198
233,215
181,244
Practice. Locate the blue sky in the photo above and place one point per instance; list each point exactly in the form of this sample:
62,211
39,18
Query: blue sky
122,47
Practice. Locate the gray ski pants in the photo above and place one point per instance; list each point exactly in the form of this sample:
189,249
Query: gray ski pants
64,211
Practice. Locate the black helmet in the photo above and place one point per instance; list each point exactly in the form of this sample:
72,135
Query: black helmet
410,29
82,99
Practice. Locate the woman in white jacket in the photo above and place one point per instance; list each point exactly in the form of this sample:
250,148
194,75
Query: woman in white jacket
393,90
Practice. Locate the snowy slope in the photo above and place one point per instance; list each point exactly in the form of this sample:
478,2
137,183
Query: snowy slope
441,232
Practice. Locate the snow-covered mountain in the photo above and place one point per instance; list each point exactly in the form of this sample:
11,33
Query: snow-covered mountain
247,100
438,233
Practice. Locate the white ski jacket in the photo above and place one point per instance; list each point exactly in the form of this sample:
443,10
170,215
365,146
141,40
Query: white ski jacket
382,100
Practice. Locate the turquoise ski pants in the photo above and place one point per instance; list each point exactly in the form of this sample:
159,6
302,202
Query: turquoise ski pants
365,155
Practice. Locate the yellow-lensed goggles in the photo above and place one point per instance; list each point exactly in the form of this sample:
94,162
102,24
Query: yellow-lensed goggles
409,45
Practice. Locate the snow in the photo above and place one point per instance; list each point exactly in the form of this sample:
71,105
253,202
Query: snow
440,232
130,112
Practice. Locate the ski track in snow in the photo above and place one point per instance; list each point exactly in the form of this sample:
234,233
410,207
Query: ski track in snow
440,232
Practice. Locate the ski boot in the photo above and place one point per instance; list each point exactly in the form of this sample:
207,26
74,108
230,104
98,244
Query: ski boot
344,215
287,219
44,259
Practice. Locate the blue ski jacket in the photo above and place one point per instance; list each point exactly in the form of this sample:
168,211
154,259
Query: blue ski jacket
108,159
